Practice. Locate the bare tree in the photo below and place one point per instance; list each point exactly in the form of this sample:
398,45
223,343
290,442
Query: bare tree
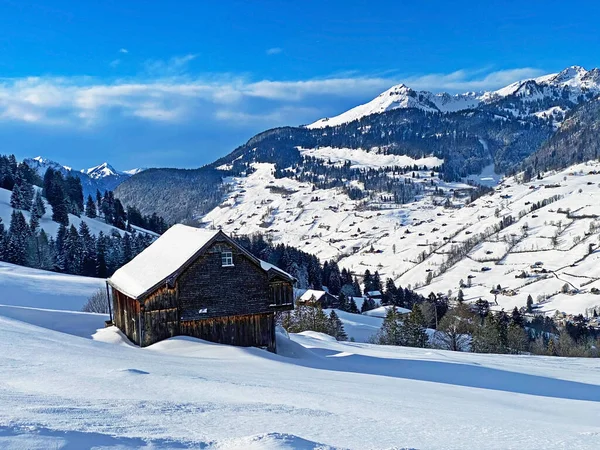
97,303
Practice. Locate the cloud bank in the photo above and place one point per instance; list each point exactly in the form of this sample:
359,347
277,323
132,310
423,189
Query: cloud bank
167,102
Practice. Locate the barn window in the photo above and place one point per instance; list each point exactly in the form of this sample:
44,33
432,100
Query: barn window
226,259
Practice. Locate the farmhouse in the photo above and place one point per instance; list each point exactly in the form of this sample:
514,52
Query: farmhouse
314,297
199,283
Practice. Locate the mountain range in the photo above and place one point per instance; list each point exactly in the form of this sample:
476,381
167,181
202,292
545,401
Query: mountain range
103,177
564,88
467,134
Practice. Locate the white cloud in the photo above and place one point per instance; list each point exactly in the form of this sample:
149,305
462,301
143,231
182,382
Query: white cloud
274,51
114,63
173,98
123,50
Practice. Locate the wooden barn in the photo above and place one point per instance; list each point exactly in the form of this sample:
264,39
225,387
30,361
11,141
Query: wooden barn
314,297
199,283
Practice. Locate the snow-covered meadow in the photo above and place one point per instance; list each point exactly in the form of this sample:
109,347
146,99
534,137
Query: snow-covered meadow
410,243
63,384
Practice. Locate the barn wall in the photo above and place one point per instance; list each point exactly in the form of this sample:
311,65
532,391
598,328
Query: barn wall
254,330
160,316
222,291
126,314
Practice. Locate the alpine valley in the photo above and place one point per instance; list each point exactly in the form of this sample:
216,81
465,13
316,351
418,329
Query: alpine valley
495,193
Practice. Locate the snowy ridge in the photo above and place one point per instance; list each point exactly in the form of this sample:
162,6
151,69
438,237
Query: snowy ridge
575,78
102,177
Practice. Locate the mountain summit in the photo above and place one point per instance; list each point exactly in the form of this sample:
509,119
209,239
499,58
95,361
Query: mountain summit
565,87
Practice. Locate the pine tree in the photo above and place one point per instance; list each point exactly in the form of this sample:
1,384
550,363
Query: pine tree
38,208
60,213
352,306
356,285
73,251
343,302
101,266
529,303
16,197
336,327
460,296
390,294
368,281
90,208
413,331
18,232
88,259
516,318
390,331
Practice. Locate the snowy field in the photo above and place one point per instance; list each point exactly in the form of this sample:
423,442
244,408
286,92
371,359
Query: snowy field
63,384
409,243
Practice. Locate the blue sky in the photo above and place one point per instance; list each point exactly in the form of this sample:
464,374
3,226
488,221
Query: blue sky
180,83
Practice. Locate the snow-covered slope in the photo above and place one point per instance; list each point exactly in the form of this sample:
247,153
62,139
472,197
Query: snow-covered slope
569,84
51,227
401,96
413,243
61,389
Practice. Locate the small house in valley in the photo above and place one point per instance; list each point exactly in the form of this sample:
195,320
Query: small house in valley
315,297
199,283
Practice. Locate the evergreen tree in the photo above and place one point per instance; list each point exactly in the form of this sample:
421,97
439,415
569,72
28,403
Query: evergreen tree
101,250
90,208
88,259
73,252
368,281
460,296
390,331
413,331
376,282
529,303
352,306
336,327
38,208
390,295
343,301
516,318
357,291
60,213
18,232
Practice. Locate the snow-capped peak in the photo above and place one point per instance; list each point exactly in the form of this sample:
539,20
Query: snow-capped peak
576,78
101,171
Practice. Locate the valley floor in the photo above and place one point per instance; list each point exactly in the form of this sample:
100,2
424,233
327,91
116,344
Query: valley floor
65,385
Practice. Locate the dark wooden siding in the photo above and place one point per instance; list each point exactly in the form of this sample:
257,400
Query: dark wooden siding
160,315
218,291
254,330
126,315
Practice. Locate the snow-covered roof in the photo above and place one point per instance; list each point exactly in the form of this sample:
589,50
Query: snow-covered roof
308,295
166,256
374,293
382,311
160,260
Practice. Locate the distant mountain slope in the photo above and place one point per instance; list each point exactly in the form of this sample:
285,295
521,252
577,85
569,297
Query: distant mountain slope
462,135
175,194
549,96
103,177
576,141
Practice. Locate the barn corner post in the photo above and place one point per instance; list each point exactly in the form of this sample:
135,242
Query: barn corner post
108,301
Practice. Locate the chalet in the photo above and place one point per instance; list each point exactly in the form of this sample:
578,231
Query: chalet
199,283
374,295
322,298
